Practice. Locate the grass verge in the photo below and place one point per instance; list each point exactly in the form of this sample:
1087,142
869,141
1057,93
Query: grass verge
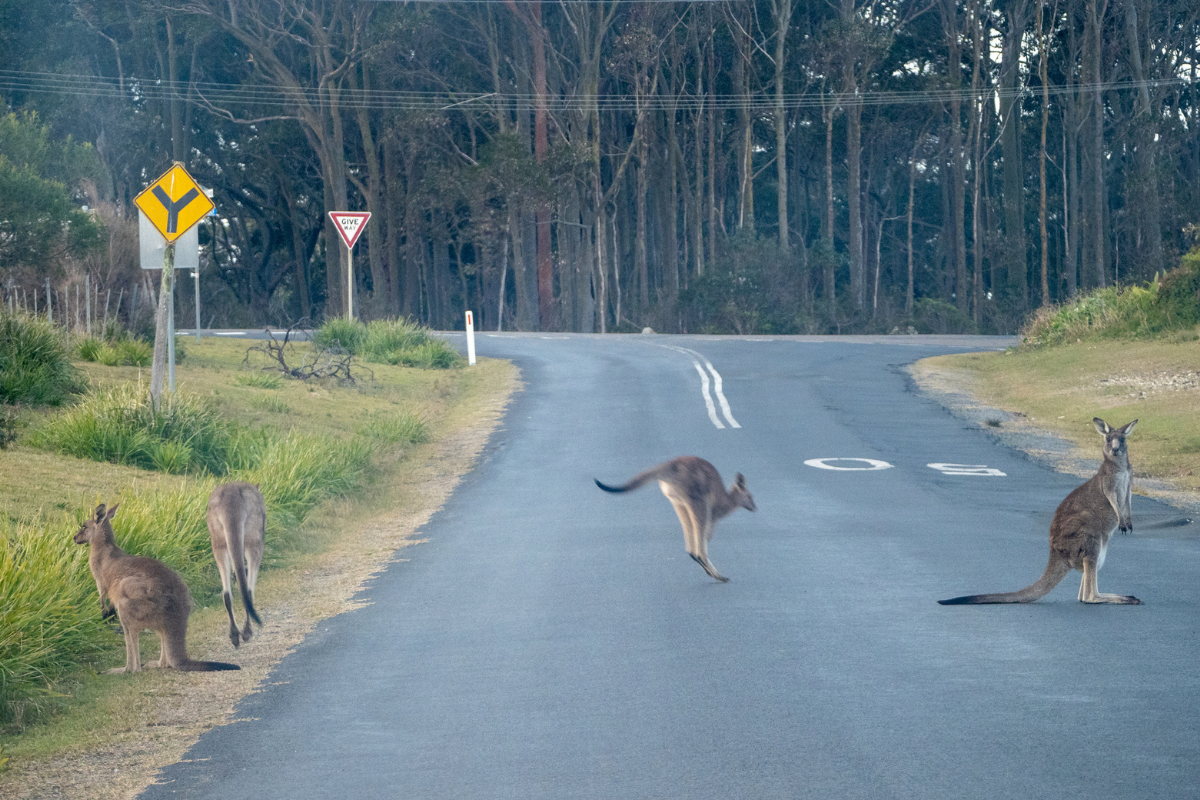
1062,388
377,427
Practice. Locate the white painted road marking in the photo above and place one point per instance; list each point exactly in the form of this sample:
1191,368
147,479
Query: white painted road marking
967,469
871,464
717,385
708,401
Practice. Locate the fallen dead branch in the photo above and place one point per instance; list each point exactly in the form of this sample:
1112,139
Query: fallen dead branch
315,361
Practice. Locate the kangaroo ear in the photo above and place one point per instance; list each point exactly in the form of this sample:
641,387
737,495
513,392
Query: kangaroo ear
1125,431
741,481
112,512
1101,426
100,513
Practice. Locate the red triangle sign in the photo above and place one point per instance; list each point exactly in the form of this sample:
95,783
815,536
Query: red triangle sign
350,225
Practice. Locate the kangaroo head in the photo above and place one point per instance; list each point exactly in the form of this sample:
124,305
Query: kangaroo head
741,495
99,527
1114,438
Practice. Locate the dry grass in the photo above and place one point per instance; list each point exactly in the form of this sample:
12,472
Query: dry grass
1062,388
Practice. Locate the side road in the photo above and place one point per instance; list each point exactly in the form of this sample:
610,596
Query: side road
165,712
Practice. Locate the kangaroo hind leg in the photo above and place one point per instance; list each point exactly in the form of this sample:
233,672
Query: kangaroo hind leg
1089,593
225,566
704,535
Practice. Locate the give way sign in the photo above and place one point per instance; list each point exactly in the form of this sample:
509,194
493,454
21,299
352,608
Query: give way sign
350,225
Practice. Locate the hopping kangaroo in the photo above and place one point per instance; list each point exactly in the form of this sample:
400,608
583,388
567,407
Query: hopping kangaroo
695,490
237,517
147,594
1081,528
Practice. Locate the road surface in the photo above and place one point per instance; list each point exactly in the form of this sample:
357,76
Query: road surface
554,641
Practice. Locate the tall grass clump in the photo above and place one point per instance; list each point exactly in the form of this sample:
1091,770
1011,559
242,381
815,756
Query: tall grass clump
115,353
389,341
48,615
1137,312
35,367
49,611
340,332
393,429
185,433
298,471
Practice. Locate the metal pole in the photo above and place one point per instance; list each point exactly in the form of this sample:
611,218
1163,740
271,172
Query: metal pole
87,292
196,275
171,332
49,304
350,280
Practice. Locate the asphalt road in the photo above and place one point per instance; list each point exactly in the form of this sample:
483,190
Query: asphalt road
554,641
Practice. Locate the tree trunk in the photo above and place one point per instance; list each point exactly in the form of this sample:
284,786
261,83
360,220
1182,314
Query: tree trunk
1010,141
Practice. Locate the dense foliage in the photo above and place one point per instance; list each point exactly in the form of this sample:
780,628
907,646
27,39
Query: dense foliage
35,367
766,165
1164,305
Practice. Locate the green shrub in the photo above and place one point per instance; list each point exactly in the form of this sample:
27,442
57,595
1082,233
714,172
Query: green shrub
122,425
388,336
1178,298
35,366
116,352
393,341
340,332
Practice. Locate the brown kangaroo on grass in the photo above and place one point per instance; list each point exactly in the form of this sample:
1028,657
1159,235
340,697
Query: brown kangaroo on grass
147,595
237,517
1081,528
694,488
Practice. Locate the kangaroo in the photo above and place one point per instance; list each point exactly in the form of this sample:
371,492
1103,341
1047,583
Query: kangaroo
147,595
695,489
1081,528
237,517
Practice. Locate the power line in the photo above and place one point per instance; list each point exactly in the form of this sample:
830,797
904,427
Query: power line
224,95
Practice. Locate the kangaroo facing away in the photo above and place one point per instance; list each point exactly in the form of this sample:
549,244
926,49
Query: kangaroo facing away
1081,528
147,595
237,518
695,489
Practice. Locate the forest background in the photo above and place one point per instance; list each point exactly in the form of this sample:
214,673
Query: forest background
758,166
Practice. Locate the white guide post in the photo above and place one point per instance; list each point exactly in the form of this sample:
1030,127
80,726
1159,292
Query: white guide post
470,339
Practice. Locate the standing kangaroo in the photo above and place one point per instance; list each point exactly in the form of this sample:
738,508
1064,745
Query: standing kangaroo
147,594
1081,528
695,489
237,518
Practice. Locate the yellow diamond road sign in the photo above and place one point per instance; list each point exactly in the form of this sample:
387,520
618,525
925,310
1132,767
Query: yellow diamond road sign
173,203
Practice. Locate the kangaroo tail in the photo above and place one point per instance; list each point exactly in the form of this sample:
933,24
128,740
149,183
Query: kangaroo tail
247,601
635,483
204,666
1056,570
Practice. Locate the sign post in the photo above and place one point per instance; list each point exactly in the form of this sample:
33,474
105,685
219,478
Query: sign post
173,204
350,225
